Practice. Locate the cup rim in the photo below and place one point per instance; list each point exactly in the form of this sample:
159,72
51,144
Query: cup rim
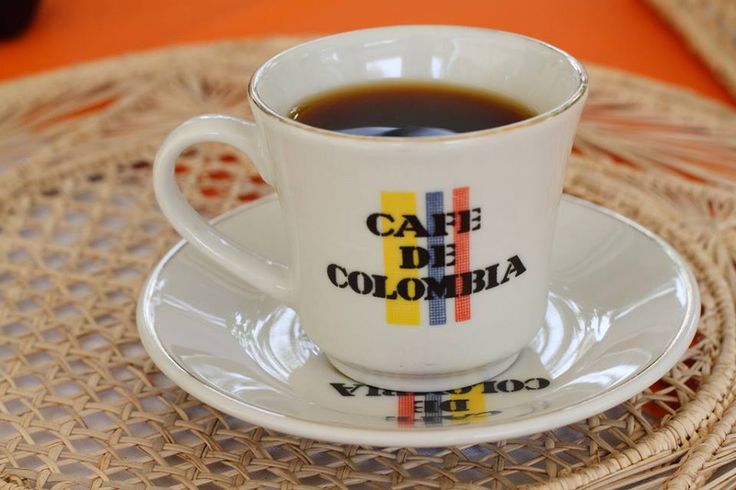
568,103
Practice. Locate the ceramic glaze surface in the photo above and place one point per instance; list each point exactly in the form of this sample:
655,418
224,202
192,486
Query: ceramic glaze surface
415,263
622,308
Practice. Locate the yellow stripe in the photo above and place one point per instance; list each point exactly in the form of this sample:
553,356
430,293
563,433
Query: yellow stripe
475,401
398,311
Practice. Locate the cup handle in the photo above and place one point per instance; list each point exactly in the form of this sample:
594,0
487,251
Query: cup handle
270,277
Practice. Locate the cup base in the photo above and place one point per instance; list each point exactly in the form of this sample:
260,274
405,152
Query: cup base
423,382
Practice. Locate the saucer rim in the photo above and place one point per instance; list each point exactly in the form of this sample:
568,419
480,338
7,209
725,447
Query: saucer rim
421,436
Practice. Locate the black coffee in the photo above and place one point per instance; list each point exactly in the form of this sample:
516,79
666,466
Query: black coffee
408,109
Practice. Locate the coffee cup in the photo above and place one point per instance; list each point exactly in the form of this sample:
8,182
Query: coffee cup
417,263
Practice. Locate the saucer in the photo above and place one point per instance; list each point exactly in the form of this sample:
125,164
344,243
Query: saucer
622,309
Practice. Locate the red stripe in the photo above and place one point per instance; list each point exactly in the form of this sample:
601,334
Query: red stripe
406,409
461,202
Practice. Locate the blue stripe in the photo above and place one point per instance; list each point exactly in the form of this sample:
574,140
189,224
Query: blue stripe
437,309
432,410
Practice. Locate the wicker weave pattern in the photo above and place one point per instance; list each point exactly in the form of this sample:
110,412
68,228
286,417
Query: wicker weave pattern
81,404
709,27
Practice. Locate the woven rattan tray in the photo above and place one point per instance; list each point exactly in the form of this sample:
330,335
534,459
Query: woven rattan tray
82,405
709,28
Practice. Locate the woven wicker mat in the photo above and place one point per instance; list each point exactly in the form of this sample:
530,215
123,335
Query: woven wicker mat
709,27
82,405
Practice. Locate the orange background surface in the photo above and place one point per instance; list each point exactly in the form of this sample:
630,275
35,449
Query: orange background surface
625,34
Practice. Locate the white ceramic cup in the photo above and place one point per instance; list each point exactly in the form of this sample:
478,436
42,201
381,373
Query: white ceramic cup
417,263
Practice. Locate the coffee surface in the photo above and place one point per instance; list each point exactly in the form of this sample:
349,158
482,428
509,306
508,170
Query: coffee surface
408,109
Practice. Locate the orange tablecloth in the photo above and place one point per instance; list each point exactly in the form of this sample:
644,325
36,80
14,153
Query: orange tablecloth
619,33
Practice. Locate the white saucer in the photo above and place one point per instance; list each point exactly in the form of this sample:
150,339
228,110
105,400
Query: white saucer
623,308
